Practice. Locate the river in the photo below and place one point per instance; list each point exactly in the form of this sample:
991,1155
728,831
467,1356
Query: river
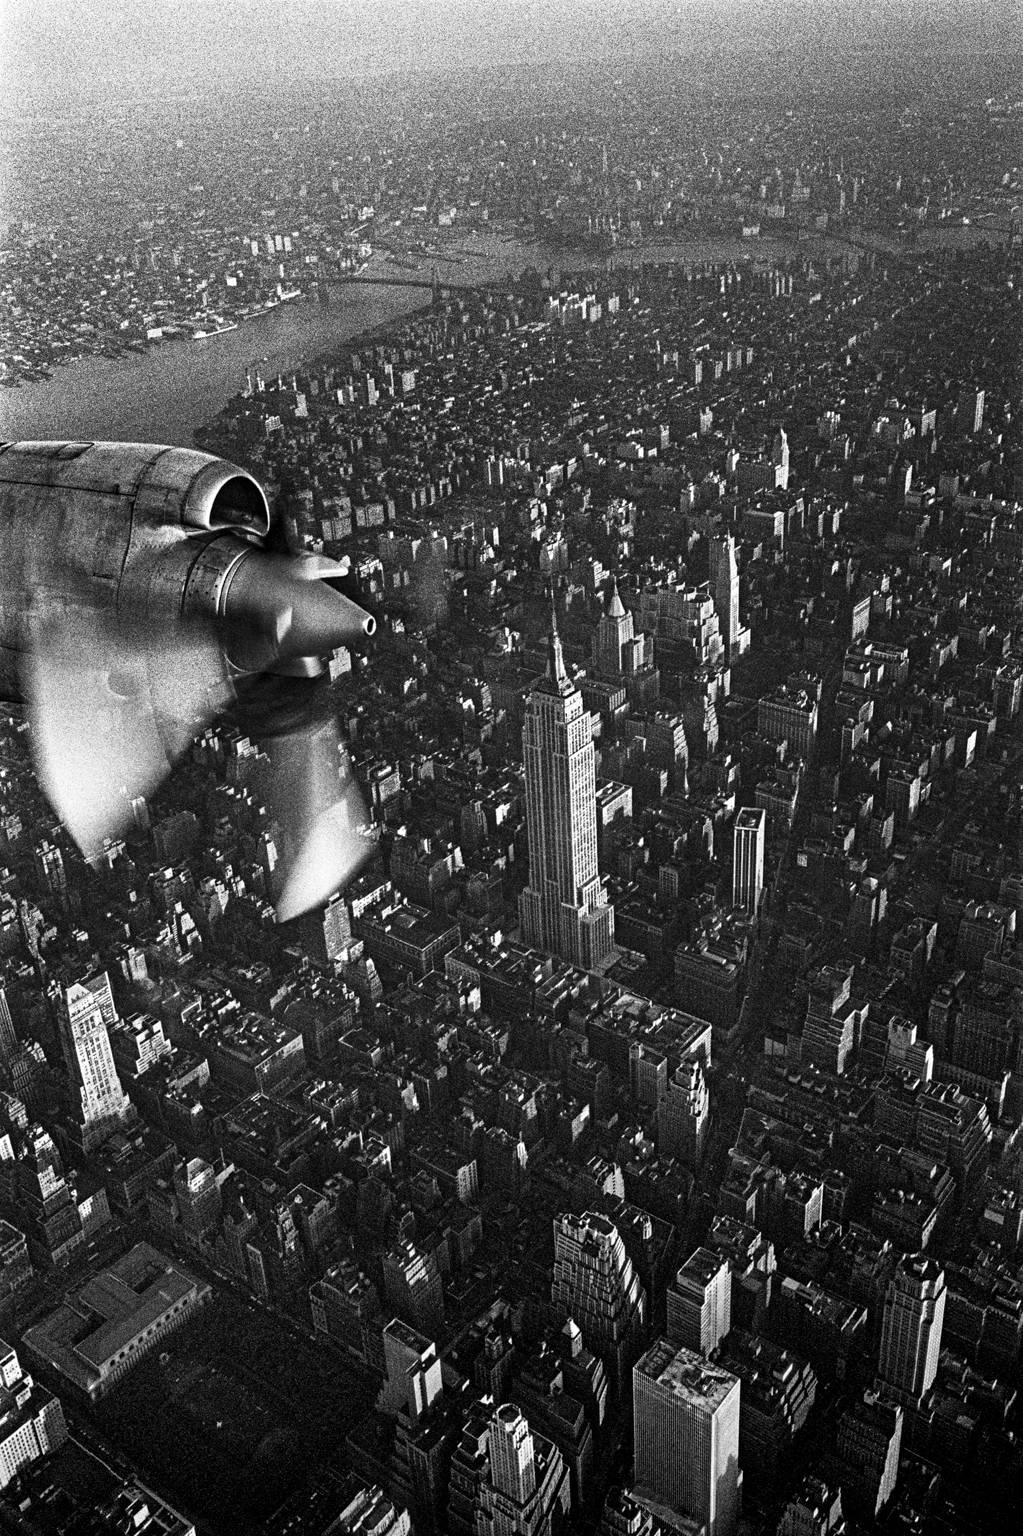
162,395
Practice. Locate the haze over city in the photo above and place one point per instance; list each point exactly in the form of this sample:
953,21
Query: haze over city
131,46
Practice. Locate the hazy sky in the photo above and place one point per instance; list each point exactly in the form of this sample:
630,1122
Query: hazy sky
58,47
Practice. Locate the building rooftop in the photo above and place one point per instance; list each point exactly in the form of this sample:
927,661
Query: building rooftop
686,1374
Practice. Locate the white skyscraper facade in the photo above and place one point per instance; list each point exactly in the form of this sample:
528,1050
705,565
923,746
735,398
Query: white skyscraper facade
527,1491
749,843
564,908
699,1302
686,1426
102,1105
914,1315
512,1465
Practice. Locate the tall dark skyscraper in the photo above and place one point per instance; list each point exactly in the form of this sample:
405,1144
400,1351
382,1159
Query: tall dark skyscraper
564,908
724,575
8,1039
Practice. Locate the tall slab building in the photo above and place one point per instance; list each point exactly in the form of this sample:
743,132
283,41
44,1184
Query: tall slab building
724,574
564,908
749,841
686,1426
914,1314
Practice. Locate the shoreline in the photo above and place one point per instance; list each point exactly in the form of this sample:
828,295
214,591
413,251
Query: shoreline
174,388
657,249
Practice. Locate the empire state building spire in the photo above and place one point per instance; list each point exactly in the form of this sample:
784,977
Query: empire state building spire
556,671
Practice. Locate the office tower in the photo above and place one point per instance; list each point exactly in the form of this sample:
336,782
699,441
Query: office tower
8,1039
512,1468
413,1396
414,1288
831,1031
46,1203
595,1283
15,1265
686,1427
138,1044
526,1490
749,840
777,1392
100,1104
31,1420
971,410
683,1116
780,457
617,650
868,1440
914,1312
50,870
815,1509
700,1302
199,1197
648,1074
751,1259
413,1376
724,575
564,907
344,1304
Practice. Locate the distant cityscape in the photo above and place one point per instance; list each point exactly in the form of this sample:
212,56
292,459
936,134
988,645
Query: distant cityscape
633,1146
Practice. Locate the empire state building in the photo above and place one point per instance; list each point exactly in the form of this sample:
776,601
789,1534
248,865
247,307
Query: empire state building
564,907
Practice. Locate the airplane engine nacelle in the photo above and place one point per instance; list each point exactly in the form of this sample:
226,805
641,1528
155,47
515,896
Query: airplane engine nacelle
140,598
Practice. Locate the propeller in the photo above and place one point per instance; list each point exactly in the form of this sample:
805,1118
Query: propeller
115,699
312,790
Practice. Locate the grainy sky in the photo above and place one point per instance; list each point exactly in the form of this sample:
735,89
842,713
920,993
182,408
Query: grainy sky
81,47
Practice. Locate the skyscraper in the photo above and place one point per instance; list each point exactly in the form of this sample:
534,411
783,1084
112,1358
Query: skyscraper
686,1427
523,1489
413,1380
700,1302
914,1313
749,840
683,1115
564,907
414,1287
595,1283
8,1038
617,650
512,1468
724,575
780,455
31,1419
100,1103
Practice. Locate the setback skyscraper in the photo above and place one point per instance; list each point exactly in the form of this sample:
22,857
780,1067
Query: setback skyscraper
724,575
564,907
595,1283
914,1313
101,1106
